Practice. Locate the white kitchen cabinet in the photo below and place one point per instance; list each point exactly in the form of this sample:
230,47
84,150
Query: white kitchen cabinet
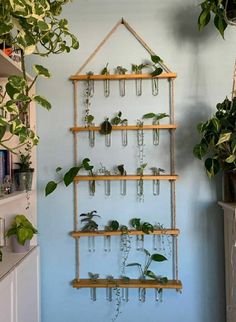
7,299
19,289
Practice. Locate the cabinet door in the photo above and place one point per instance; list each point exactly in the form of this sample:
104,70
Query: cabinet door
7,300
27,289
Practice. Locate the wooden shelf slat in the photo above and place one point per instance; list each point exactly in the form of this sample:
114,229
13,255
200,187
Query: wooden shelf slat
126,76
127,177
132,283
127,127
98,233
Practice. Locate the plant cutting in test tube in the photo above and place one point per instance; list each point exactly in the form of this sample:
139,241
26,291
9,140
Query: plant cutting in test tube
90,225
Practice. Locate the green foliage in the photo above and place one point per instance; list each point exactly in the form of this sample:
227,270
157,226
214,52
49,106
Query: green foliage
69,176
106,127
144,271
22,228
215,8
116,120
218,142
157,69
113,225
121,170
105,70
35,28
154,117
137,69
90,224
140,170
145,227
25,159
121,70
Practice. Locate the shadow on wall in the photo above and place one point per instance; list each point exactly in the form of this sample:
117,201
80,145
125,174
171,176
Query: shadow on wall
185,25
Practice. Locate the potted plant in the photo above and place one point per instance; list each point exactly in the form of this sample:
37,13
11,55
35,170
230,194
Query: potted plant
21,232
218,145
224,12
24,174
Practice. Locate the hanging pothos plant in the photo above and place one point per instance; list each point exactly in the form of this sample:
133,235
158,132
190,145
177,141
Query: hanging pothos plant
222,11
34,27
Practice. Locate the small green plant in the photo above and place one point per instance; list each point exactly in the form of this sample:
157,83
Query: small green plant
144,271
88,93
218,9
90,224
22,229
157,69
118,303
140,170
121,170
125,246
137,69
113,225
93,276
106,127
218,142
121,70
145,227
25,158
69,176
154,117
105,70
116,120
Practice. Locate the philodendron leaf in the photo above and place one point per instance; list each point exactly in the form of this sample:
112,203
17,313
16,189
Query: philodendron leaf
42,101
40,70
156,59
200,150
157,71
220,24
70,175
231,158
5,28
17,82
212,167
204,19
50,187
224,137
149,116
158,258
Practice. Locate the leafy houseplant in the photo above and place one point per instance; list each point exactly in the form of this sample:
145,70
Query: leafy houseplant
34,28
22,232
24,175
223,11
218,142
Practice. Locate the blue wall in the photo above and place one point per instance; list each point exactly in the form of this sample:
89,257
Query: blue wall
204,63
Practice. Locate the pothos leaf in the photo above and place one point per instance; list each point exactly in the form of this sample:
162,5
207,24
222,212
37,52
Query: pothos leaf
70,175
158,258
50,187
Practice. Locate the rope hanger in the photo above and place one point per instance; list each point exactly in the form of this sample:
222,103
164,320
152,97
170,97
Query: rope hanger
133,32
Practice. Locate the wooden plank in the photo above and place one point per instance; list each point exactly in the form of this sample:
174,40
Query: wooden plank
98,233
118,76
127,127
132,283
127,177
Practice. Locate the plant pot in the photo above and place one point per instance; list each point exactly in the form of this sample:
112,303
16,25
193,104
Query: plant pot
229,193
23,179
17,247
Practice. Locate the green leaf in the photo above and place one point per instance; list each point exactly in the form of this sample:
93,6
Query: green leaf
148,116
40,70
161,116
231,158
42,101
5,28
158,258
3,129
89,119
216,124
43,25
146,252
224,137
150,274
156,59
50,187
58,169
114,225
22,235
18,82
200,150
212,167
220,24
157,71
11,91
136,223
147,227
70,175
204,19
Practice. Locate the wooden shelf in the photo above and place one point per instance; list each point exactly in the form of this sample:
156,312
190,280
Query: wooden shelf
10,67
127,177
127,127
132,283
118,77
75,234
